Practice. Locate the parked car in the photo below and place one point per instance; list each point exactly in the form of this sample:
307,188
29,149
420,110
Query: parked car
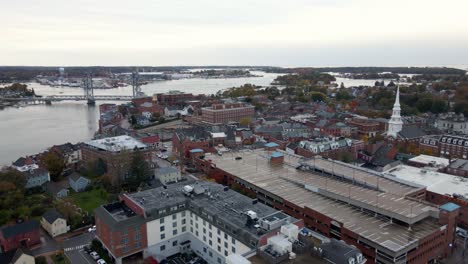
101,261
94,255
88,249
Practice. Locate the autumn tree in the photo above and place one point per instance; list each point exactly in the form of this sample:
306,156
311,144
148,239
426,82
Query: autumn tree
55,165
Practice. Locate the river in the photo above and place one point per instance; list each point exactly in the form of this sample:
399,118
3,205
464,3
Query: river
32,129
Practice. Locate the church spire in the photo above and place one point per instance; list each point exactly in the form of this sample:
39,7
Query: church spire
395,125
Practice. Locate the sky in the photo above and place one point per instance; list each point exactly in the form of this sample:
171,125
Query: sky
235,32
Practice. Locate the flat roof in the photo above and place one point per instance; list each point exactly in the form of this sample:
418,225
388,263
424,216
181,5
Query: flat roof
450,207
116,144
216,200
289,183
437,182
426,159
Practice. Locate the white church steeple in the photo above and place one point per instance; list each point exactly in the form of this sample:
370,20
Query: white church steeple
395,124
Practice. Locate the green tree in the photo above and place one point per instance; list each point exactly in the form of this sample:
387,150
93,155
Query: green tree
139,169
318,96
461,107
55,165
439,106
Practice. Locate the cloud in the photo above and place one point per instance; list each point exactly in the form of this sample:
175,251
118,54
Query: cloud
171,32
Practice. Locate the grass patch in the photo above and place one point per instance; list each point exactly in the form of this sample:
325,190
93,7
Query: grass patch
90,200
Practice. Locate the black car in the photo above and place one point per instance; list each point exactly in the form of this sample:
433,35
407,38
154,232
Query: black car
87,249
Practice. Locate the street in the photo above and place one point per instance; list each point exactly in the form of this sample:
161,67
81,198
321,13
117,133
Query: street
72,247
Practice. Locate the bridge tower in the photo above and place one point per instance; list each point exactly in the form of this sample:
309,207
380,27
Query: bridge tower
136,84
89,91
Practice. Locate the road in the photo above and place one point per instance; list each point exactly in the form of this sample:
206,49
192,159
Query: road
72,246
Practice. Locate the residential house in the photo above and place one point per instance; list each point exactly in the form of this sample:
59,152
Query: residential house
18,256
36,177
58,189
25,234
168,175
54,223
78,182
338,252
70,153
25,164
452,123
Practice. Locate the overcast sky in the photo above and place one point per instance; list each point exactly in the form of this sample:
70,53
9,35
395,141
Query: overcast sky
235,32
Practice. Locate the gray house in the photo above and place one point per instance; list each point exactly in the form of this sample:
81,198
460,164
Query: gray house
36,177
58,189
168,175
78,182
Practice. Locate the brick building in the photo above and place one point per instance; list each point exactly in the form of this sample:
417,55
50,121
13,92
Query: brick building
25,234
385,229
173,98
365,127
197,216
116,153
225,113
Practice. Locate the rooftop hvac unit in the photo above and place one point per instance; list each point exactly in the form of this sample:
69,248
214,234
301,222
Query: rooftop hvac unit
188,189
252,214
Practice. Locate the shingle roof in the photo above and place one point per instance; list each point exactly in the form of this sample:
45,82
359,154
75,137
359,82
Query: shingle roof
411,132
13,230
51,215
76,176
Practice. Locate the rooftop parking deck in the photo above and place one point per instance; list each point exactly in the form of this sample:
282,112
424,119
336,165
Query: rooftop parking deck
343,201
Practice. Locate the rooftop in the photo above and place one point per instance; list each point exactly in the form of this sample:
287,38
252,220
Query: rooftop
211,198
437,182
116,144
450,207
339,199
426,159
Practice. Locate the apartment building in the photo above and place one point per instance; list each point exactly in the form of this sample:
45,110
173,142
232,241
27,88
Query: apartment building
116,153
225,113
197,216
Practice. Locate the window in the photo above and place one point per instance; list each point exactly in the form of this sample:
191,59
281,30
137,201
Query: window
184,229
204,230
204,238
174,224
174,243
183,214
210,242
219,240
174,216
219,260
183,221
161,228
162,248
196,225
174,232
191,222
233,249
161,221
233,241
125,240
137,236
219,249
191,230
210,234
219,232
225,253
204,249
163,236
225,244
211,254
225,236
196,233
